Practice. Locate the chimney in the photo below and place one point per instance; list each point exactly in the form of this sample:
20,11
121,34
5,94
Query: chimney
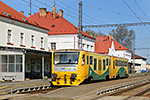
54,12
110,36
22,12
42,12
61,12
29,15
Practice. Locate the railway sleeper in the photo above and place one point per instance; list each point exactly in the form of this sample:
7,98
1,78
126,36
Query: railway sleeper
112,89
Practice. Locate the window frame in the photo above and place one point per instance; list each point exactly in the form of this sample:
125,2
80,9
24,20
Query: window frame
104,64
33,41
95,64
87,59
83,59
53,45
91,60
10,37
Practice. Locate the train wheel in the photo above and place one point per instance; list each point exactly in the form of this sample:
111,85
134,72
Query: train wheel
126,76
90,79
117,77
107,77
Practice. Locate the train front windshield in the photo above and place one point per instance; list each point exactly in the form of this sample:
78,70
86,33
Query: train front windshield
66,61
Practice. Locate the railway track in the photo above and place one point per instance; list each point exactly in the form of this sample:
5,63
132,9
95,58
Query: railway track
129,91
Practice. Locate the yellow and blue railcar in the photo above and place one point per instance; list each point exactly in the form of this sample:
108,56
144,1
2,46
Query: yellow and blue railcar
72,67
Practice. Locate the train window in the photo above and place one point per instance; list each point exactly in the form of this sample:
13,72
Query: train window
119,63
99,64
125,63
91,60
95,64
114,64
104,64
107,61
87,59
83,60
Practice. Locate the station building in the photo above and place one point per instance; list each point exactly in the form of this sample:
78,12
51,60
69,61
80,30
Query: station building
23,47
140,63
63,34
107,45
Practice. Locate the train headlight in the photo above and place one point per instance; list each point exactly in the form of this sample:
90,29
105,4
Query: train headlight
54,75
73,75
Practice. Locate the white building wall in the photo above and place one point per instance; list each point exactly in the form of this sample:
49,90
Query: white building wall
16,30
141,67
69,42
119,53
123,54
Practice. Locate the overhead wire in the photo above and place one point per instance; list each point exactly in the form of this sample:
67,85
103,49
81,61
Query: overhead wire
136,15
141,10
83,13
111,11
93,19
29,3
68,11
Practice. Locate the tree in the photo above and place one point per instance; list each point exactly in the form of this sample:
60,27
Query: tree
123,36
94,34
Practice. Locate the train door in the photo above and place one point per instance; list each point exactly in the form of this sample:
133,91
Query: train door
111,67
84,64
99,66
114,68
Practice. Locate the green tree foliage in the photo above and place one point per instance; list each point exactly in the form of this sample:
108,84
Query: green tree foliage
94,34
123,36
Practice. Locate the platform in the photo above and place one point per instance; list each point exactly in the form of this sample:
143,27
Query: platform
14,87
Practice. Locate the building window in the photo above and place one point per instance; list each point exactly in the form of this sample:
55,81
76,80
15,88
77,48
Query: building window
79,45
42,43
9,37
53,46
83,45
4,63
18,63
22,39
32,41
87,46
11,63
91,47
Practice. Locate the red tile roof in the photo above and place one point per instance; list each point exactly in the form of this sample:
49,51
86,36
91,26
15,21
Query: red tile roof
15,15
103,44
138,57
57,26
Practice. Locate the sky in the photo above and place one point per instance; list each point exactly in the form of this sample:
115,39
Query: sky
99,12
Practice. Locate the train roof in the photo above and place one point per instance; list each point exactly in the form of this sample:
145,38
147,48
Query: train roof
77,50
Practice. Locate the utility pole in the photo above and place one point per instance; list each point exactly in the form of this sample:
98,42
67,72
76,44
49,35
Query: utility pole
30,7
133,70
149,49
54,2
80,26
